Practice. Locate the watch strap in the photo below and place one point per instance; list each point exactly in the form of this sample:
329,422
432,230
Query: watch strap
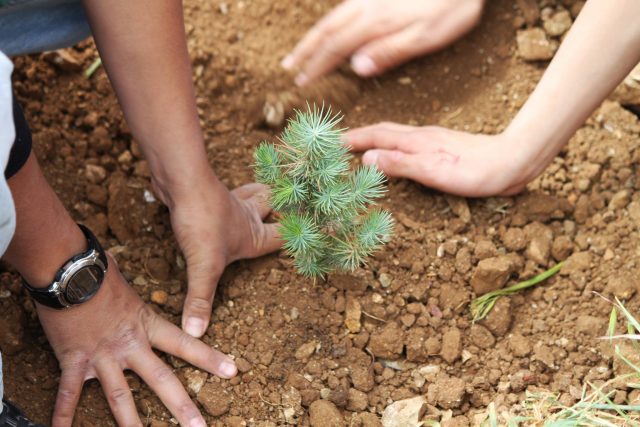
47,296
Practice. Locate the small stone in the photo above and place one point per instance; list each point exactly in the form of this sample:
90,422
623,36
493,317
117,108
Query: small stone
539,249
623,285
533,45
521,379
385,280
214,399
519,345
451,345
159,297
530,11
561,248
558,23
353,312
405,413
95,174
195,380
481,336
485,249
448,393
243,365
620,200
306,350
159,268
499,319
323,413
362,378
578,262
415,345
367,419
491,274
460,207
358,400
591,325
514,239
387,343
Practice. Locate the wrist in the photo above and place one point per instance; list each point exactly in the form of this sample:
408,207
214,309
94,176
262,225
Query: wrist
184,187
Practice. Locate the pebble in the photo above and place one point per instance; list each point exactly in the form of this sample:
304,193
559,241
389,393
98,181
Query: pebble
405,413
387,343
622,286
362,378
481,336
353,312
591,325
159,297
533,45
558,23
519,345
491,274
195,380
306,350
95,174
447,393
620,200
214,399
499,319
366,419
451,345
561,248
514,239
323,413
358,401
385,280
243,365
530,10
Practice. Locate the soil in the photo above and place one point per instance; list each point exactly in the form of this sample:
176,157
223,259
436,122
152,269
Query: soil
339,352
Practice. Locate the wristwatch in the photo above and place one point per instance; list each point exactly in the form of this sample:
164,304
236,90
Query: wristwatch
78,280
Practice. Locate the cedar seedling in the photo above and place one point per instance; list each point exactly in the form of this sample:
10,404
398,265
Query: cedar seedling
327,219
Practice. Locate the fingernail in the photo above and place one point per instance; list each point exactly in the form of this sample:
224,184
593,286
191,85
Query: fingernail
370,157
301,79
194,327
287,62
197,422
228,369
363,65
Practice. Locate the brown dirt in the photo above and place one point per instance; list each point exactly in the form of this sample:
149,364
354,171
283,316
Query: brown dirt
413,334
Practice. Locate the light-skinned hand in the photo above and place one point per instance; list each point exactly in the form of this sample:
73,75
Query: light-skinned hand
454,162
379,34
116,331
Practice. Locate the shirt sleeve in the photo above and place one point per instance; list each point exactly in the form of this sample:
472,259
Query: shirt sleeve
7,137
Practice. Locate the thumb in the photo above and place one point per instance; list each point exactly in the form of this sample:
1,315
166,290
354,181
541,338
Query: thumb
394,163
203,281
385,52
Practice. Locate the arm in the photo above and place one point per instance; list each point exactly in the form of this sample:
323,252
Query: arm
111,332
601,48
143,46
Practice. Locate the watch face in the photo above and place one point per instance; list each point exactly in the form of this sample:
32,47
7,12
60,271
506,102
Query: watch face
83,284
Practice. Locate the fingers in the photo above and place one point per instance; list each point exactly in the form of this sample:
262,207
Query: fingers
312,41
396,164
387,52
269,239
167,386
199,299
258,194
118,393
69,390
335,48
170,339
388,136
249,190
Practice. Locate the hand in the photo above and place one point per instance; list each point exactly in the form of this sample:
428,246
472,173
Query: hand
451,161
115,331
215,227
380,34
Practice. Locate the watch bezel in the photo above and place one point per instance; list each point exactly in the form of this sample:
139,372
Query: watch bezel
70,269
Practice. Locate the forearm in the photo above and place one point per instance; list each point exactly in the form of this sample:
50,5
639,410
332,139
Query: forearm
143,46
46,236
601,48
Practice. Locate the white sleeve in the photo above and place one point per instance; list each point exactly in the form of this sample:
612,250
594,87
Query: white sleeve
7,137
